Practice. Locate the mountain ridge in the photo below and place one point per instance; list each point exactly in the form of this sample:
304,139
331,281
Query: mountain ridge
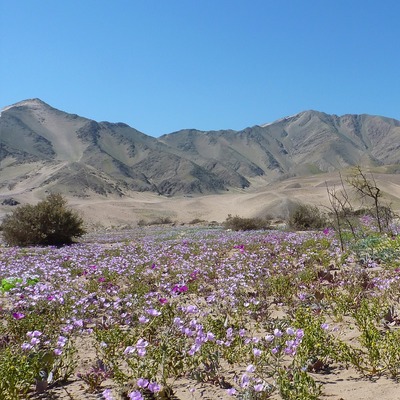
114,159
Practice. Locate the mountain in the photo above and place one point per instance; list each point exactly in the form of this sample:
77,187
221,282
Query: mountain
46,149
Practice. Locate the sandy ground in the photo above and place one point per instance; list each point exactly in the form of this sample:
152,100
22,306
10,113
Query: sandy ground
273,200
260,200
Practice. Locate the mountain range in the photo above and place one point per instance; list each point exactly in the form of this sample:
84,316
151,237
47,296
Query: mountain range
47,150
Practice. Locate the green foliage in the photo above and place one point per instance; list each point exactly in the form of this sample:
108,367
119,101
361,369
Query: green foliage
10,283
306,217
47,223
298,385
237,223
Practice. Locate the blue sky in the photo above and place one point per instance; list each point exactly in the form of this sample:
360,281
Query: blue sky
165,65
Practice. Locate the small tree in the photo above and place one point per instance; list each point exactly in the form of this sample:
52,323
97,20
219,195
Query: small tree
49,222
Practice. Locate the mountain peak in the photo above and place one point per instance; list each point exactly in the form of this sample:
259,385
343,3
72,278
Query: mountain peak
31,103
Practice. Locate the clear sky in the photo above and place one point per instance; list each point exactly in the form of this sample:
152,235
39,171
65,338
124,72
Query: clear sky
165,65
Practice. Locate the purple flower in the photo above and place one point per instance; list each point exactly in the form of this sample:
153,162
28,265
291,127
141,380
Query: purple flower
142,382
231,391
141,347
34,334
136,395
191,309
143,319
277,333
275,350
257,352
129,350
269,338
107,394
57,352
210,336
250,368
244,382
299,333
153,312
154,387
62,340
290,331
18,315
259,387
35,341
26,346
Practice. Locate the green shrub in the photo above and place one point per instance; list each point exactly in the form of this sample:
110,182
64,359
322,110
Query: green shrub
49,222
306,217
237,223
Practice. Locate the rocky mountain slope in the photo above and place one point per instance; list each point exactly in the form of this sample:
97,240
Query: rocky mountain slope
46,149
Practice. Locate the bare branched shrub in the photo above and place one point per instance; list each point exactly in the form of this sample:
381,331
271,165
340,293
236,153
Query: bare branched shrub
369,192
344,217
49,222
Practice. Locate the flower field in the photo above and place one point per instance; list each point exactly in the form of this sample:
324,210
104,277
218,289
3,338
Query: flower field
190,313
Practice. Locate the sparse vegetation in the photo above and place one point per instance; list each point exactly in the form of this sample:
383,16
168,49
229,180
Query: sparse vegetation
49,222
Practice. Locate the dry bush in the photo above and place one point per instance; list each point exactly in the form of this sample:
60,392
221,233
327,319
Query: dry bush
306,217
49,222
237,223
